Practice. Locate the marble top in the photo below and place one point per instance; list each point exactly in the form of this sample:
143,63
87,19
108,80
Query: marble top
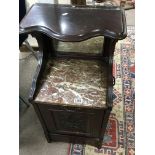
74,82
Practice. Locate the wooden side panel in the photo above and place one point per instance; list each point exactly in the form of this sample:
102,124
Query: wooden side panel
72,121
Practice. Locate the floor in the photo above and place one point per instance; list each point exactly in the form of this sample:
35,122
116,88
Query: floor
31,136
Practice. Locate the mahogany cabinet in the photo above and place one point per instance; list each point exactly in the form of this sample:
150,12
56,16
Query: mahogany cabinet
72,90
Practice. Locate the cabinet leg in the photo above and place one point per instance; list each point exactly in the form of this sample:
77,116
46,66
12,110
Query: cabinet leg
48,138
99,144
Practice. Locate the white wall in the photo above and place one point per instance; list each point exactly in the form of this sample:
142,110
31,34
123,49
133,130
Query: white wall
29,3
48,1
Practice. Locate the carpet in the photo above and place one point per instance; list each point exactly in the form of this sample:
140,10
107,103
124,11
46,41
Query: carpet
119,138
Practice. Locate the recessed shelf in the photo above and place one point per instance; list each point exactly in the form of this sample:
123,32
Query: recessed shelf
74,82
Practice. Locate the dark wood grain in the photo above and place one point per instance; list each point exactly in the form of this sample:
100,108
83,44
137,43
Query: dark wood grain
75,23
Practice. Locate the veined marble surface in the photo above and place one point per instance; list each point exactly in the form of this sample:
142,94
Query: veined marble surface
74,82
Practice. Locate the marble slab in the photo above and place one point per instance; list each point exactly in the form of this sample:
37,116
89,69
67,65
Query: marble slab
74,82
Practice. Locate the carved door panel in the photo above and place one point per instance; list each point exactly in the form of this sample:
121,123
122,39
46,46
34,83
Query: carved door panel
72,121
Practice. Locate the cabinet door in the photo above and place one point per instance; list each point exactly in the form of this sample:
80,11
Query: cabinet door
73,121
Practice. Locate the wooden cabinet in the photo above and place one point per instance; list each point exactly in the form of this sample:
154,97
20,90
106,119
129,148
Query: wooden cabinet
72,92
72,121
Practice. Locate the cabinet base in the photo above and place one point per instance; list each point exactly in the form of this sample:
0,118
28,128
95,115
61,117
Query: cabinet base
74,139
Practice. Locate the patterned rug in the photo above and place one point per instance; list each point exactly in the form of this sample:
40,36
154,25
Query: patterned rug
120,134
